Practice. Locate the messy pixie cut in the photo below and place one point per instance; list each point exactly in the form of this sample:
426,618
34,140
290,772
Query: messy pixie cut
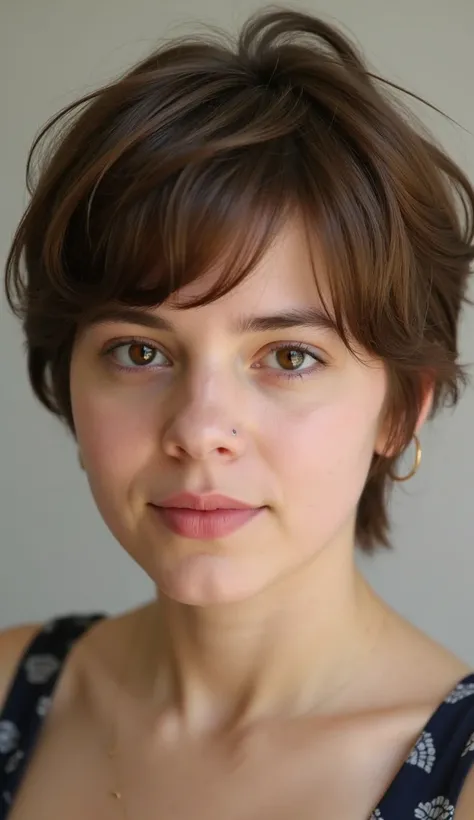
196,157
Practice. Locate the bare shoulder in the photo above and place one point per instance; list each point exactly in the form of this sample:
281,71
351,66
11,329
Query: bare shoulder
90,659
96,657
419,665
13,642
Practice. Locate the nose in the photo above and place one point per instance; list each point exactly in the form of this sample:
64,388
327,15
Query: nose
202,427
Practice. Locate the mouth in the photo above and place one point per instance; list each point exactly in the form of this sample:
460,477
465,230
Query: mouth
204,501
204,516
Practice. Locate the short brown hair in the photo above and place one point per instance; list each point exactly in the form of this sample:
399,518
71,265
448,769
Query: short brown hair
198,154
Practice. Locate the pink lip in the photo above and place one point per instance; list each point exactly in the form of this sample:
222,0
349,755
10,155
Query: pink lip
210,501
204,516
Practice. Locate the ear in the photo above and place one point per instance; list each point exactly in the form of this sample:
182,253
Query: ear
426,406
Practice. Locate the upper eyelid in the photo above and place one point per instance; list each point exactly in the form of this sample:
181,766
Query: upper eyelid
320,359
131,338
112,344
120,341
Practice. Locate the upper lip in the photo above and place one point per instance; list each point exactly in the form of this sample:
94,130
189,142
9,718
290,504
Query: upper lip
210,501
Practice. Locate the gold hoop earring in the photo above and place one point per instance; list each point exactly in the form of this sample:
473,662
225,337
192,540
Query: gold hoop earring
415,466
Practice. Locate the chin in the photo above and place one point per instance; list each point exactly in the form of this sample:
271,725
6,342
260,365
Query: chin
207,580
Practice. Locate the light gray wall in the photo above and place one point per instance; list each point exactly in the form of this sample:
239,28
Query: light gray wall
56,554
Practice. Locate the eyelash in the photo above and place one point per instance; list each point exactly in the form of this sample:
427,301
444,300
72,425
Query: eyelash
291,374
303,348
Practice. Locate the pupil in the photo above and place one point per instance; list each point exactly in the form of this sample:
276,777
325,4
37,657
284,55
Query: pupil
141,354
293,358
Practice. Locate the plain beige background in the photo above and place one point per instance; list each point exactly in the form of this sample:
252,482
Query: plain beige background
56,554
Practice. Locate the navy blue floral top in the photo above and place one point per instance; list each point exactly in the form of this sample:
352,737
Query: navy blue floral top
427,786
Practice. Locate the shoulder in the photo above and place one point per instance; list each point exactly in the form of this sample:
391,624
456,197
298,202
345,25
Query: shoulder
72,637
13,643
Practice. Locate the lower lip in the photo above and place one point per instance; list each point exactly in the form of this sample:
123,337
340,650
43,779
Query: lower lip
205,524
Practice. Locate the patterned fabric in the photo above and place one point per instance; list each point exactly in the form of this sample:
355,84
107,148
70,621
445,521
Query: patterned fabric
427,786
30,696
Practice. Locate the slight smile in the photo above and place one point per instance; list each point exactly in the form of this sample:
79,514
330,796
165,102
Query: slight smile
204,517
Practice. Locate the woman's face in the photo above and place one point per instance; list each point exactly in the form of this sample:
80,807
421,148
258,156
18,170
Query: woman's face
154,408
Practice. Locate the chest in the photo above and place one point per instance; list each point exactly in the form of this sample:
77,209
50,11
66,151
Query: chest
256,779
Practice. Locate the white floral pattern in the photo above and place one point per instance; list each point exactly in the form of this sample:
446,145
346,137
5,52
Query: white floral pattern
9,737
7,798
461,691
376,815
423,753
439,809
14,761
40,668
469,746
43,706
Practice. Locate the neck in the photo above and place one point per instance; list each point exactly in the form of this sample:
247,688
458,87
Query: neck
294,649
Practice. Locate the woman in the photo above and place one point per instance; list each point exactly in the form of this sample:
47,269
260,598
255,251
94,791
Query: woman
240,278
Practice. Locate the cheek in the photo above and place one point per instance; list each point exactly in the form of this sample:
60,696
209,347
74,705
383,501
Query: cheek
115,437
323,456
116,450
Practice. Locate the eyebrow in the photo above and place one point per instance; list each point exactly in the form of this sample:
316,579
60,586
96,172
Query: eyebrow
296,317
312,317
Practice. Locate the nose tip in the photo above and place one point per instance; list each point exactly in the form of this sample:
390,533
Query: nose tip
201,441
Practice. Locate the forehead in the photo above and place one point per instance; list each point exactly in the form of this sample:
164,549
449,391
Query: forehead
285,289
288,275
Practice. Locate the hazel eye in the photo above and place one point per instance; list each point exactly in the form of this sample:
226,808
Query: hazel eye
295,360
140,354
136,355
292,359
